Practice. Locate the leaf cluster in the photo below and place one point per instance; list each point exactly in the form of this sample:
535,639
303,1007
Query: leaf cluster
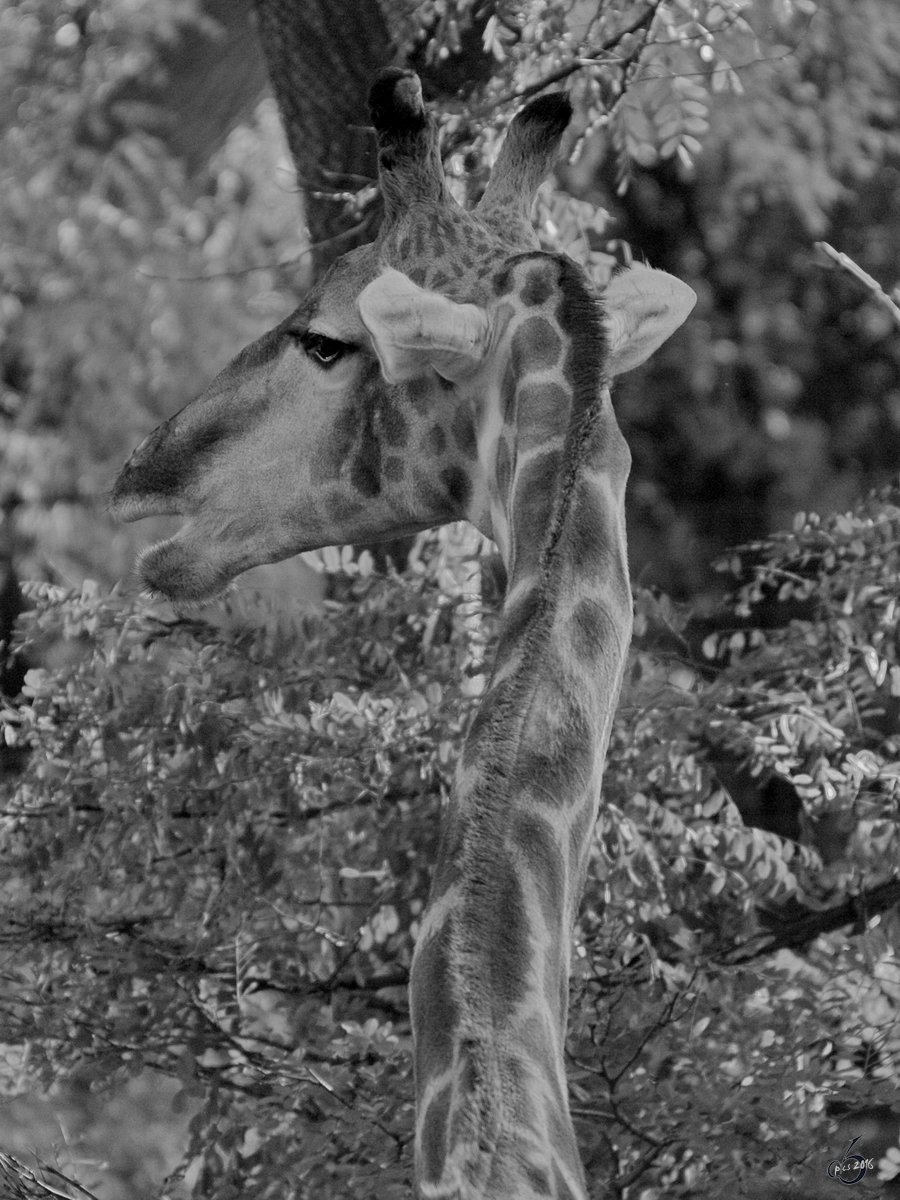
217,854
215,862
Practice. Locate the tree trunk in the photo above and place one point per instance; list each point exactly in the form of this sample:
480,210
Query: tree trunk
321,56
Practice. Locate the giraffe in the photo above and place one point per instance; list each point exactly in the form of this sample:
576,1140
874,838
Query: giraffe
452,369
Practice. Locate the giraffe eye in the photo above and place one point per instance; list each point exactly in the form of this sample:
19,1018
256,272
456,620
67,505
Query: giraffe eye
321,349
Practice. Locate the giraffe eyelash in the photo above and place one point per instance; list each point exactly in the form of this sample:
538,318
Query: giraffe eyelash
325,351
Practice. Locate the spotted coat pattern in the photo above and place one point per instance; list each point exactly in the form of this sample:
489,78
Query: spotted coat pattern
302,442
489,983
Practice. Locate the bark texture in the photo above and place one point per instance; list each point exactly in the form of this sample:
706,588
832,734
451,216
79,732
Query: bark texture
321,56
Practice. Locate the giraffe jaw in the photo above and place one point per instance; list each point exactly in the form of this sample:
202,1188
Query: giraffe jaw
179,568
185,568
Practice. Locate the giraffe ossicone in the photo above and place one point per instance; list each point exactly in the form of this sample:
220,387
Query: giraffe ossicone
453,370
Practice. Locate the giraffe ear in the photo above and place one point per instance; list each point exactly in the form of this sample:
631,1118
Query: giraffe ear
643,308
413,329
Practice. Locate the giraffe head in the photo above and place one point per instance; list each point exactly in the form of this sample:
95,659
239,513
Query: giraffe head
372,410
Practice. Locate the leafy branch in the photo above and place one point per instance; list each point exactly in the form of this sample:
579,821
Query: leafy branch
642,22
797,932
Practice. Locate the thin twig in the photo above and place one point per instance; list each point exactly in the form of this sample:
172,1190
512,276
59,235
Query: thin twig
845,261
31,1186
287,262
643,21
797,932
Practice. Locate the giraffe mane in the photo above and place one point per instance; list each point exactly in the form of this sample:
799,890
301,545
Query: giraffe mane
580,316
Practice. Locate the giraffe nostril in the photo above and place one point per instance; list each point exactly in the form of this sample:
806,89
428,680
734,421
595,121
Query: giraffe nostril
150,482
140,452
150,444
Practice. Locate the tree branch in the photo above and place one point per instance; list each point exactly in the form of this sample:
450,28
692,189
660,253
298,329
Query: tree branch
798,932
845,261
643,21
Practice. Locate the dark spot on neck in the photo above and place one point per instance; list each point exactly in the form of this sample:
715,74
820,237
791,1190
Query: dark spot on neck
365,468
508,394
590,629
433,498
536,841
433,1140
556,769
503,468
393,425
394,468
365,473
502,281
590,535
447,231
535,346
513,952
463,429
458,485
340,507
537,287
435,440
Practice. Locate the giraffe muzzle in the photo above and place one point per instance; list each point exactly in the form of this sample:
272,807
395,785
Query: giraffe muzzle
180,570
150,483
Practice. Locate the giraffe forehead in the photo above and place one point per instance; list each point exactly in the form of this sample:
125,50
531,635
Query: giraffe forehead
331,308
446,249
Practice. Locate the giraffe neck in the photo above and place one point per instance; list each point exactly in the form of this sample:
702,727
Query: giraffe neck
490,977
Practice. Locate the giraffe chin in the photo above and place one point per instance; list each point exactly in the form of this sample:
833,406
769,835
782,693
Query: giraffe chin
177,571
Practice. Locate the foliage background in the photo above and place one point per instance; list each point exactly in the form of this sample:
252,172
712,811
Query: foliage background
217,827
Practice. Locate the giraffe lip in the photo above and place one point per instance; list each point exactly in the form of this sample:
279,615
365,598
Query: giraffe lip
127,507
182,569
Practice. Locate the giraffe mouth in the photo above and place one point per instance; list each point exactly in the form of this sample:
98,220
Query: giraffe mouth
187,568
128,508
